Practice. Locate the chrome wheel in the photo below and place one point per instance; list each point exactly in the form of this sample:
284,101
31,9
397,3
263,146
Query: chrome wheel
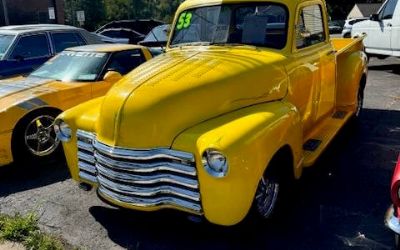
40,138
266,197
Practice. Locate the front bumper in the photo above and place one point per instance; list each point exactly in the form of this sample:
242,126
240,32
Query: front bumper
391,221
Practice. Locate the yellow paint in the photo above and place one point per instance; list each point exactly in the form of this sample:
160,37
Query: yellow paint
244,101
54,94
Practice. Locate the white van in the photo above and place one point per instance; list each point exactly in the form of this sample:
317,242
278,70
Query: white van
382,30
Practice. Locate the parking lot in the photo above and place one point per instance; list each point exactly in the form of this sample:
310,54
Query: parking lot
339,204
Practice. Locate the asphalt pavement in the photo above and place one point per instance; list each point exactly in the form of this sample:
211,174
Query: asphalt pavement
339,203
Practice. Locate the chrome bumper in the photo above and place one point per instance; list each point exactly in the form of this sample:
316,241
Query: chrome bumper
391,221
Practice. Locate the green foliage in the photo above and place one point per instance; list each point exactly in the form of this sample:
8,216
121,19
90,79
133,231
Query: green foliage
25,230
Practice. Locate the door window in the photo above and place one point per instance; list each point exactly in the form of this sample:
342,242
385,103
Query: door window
63,40
125,61
388,11
310,27
32,46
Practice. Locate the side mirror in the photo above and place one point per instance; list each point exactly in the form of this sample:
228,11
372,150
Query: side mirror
374,17
112,76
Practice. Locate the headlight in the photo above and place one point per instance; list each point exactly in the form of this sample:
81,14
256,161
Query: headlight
63,131
215,163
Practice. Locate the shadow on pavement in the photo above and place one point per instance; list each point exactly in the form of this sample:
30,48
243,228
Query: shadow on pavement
391,68
338,204
16,178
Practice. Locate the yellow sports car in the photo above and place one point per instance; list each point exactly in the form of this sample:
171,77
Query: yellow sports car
29,105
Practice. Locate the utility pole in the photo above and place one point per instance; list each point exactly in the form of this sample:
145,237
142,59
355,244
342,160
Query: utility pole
5,11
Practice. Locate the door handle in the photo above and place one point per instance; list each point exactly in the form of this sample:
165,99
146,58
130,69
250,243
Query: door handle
389,25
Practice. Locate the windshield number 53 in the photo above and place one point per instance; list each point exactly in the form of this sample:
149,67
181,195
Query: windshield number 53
185,20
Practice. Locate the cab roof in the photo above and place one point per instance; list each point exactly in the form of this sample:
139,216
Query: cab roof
22,29
105,48
192,3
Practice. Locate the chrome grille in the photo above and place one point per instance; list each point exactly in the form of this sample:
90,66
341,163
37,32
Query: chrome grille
143,178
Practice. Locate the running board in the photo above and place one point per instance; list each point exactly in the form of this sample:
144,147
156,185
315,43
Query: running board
320,138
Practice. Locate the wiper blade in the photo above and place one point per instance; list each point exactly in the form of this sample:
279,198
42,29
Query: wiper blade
191,44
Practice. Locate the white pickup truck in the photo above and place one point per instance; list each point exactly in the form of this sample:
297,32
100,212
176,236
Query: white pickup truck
382,30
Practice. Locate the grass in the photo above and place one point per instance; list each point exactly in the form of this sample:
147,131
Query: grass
25,230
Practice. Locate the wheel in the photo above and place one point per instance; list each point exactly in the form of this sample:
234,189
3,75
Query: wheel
271,198
266,199
360,103
34,138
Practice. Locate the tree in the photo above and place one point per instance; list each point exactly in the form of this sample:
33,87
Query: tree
94,12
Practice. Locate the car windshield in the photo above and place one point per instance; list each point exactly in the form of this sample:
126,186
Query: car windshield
262,25
158,34
73,66
5,42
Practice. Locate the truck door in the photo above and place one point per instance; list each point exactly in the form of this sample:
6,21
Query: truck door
305,69
379,32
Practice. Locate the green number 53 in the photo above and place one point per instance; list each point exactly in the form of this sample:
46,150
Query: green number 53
185,19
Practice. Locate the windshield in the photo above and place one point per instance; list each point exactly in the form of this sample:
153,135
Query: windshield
262,25
158,34
5,42
73,66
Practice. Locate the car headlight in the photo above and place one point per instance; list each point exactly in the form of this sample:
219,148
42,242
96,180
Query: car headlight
215,163
63,130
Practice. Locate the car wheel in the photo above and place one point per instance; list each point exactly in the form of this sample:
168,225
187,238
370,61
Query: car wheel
34,138
360,103
267,195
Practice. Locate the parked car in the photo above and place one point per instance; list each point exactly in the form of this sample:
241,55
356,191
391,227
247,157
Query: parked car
132,30
225,119
116,40
157,39
346,32
23,48
335,27
382,30
392,218
29,105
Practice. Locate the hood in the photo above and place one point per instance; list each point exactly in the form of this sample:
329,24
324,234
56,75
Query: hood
175,91
15,91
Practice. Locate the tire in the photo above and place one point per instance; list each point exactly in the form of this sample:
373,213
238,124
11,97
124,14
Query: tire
34,139
271,199
360,103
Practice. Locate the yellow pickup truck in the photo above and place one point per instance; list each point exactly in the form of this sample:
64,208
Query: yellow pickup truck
247,94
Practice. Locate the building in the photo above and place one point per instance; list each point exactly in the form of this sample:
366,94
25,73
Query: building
364,10
30,11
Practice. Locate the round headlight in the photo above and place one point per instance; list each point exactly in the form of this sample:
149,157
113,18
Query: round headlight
215,163
63,131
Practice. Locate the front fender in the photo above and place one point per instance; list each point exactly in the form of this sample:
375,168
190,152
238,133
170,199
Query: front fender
83,116
249,138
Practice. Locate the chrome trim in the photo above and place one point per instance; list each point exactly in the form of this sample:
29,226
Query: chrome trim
84,176
87,167
86,157
392,221
158,177
147,180
148,191
164,201
143,155
145,167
